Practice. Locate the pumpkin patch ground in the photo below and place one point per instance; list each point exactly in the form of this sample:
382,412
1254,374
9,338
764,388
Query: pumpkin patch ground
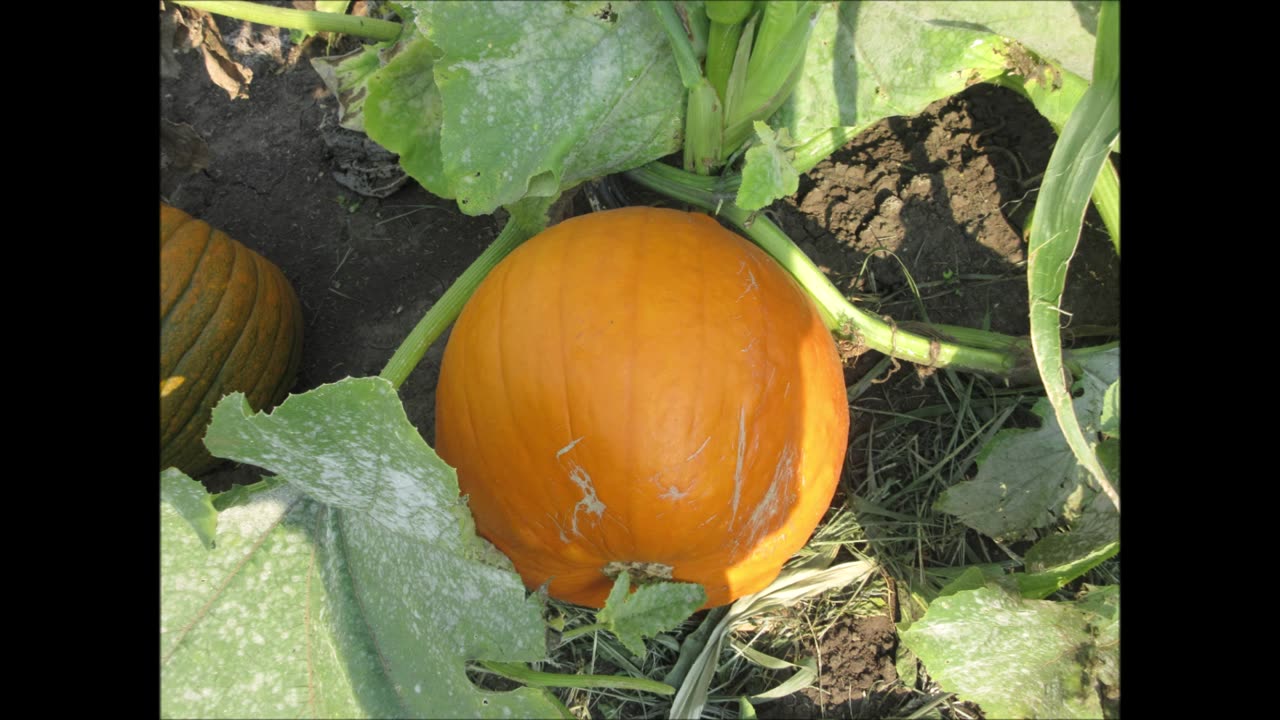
936,202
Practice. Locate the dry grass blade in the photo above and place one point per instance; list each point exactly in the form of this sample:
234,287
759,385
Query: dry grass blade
790,587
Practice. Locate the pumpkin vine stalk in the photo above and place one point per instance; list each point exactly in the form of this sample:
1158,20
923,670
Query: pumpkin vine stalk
446,309
306,20
1002,356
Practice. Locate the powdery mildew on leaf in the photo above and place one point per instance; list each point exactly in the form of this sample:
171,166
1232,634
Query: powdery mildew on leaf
342,455
384,592
1030,478
429,609
191,501
238,624
541,96
867,61
1014,657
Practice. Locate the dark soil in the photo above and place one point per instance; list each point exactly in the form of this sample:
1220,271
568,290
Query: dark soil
855,660
939,198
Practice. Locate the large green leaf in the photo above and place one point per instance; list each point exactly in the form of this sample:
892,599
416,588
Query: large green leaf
1060,558
1061,30
262,625
362,597
1014,657
871,60
1104,605
537,97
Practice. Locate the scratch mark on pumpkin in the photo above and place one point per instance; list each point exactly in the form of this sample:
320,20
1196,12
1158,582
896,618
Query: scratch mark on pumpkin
589,502
748,347
568,447
771,504
673,493
563,538
737,472
699,450
751,279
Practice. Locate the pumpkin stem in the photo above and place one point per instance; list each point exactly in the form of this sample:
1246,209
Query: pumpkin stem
520,227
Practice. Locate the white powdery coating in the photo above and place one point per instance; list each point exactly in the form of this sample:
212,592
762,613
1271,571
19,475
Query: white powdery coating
233,609
256,516
673,494
589,502
737,471
350,446
431,609
568,447
773,505
588,94
1039,644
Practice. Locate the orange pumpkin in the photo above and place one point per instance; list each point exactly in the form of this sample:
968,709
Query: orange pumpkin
229,321
643,389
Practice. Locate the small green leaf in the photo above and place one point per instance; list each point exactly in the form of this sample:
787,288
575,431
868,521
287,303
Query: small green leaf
191,501
1110,424
768,173
651,609
1013,657
745,710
